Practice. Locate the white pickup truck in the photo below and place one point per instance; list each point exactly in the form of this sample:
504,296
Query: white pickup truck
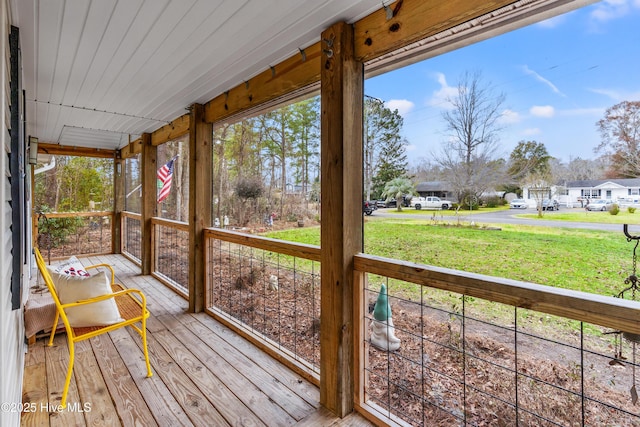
431,202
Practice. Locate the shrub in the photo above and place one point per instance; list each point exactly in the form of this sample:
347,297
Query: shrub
493,201
53,232
615,209
631,209
466,207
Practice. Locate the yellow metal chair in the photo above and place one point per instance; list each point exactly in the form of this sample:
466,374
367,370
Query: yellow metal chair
131,303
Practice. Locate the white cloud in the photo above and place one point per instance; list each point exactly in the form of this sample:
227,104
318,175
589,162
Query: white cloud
541,79
403,106
411,147
609,93
531,131
608,10
509,116
546,111
616,95
440,96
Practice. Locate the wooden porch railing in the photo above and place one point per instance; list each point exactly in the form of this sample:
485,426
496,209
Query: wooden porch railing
170,254
131,238
62,234
268,291
474,349
481,350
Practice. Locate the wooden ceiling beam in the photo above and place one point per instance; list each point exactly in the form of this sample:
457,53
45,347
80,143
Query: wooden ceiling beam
375,35
166,133
173,130
70,150
132,149
412,21
292,74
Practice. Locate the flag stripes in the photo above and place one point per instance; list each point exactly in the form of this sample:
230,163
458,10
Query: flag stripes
165,176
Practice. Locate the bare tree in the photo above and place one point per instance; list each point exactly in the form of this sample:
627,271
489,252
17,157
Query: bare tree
620,131
578,169
539,186
425,169
468,155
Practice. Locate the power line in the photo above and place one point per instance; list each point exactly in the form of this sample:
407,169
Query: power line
78,107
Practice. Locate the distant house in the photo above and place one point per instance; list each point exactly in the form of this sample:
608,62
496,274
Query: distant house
443,190
435,188
610,189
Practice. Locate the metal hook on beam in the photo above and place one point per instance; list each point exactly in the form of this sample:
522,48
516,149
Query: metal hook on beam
388,11
625,229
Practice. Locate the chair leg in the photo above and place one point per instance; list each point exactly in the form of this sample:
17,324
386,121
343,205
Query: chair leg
144,347
67,381
53,328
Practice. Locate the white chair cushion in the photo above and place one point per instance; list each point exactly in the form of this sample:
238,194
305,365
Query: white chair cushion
77,288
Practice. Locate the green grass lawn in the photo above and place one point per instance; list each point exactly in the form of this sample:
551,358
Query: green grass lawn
585,260
578,259
580,215
439,212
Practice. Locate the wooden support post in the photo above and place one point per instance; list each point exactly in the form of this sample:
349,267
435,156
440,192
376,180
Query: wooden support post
118,203
200,190
341,229
149,197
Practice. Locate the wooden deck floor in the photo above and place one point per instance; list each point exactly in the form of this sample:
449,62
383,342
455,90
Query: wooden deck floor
204,375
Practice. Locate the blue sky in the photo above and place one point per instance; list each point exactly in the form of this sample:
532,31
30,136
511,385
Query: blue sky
558,76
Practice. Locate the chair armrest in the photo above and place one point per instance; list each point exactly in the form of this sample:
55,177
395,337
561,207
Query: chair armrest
113,274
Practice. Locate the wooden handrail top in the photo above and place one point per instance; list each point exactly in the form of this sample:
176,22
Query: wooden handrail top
75,214
131,215
607,311
179,225
299,250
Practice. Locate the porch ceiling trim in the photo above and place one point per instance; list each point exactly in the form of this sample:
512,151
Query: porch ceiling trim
72,150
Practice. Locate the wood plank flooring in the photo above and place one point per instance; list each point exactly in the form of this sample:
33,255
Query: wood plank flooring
204,374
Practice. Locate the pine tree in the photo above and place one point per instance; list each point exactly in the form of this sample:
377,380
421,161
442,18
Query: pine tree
393,164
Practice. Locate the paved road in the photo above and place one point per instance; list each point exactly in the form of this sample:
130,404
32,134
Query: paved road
508,217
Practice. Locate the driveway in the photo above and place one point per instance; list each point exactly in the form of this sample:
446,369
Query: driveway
508,217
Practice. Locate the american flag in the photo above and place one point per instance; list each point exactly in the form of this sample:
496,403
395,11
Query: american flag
165,175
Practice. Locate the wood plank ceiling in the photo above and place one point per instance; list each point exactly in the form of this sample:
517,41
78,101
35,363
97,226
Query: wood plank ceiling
99,72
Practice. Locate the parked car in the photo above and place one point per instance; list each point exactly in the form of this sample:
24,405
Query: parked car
629,202
599,205
367,207
392,203
518,204
550,205
430,202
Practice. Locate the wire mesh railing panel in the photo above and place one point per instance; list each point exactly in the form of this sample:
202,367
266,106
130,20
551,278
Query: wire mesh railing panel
275,297
132,236
439,358
611,358
171,255
63,235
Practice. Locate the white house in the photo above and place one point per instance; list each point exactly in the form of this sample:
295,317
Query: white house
575,193
618,190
